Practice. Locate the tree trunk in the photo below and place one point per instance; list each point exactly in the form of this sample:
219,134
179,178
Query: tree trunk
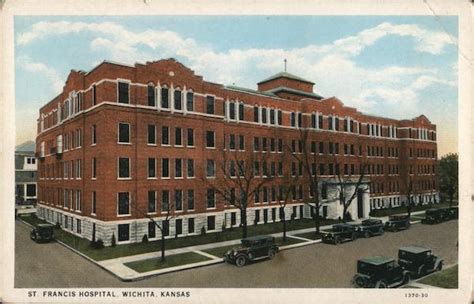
316,218
243,221
409,206
162,246
283,221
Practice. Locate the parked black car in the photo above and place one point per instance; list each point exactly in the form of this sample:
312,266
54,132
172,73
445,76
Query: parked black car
251,249
379,272
42,233
436,216
339,233
419,261
369,227
397,222
454,211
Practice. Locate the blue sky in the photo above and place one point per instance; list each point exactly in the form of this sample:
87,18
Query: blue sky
395,66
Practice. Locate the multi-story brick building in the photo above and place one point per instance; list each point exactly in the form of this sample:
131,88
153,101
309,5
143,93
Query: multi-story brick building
120,138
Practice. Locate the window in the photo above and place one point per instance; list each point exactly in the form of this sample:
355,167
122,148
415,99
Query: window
190,101
151,168
123,203
94,168
151,135
280,117
94,203
178,140
165,168
123,232
151,230
190,168
336,122
210,139
210,104
190,199
178,104
272,116
293,119
280,145
211,222
166,227
190,225
330,126
256,143
178,168
255,113
190,138
94,99
211,198
241,111
210,168
93,135
124,167
124,133
165,136
241,142
264,115
232,142
123,92
232,110
165,98
320,121
151,95
179,227
165,200
178,200
300,120
152,201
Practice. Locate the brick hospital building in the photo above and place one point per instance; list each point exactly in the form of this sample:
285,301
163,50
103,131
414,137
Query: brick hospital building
120,141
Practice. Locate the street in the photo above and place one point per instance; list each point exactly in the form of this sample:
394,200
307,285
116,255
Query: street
314,266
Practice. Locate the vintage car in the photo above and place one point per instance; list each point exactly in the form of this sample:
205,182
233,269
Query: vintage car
251,249
42,233
369,227
454,212
397,222
379,272
339,233
435,216
419,261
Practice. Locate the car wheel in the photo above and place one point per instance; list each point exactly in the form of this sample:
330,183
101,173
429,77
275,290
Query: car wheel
440,266
353,236
406,278
337,240
366,234
381,231
381,284
240,261
271,253
359,281
422,270
395,228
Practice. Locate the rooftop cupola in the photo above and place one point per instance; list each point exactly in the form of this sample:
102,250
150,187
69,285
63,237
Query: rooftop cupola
284,84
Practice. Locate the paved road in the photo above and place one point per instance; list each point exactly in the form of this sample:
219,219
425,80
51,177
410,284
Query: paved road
319,265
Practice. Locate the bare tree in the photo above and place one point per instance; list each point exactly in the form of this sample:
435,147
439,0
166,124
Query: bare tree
240,180
288,180
345,175
410,190
169,212
309,160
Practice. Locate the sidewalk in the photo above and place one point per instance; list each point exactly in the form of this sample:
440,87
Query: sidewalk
116,266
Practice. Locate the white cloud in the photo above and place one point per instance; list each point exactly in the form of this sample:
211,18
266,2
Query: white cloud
56,80
331,66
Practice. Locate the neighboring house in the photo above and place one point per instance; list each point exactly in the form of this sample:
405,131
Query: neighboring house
120,135
25,173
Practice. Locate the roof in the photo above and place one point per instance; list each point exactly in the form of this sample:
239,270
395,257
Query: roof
257,238
377,260
294,91
27,146
246,90
285,75
414,249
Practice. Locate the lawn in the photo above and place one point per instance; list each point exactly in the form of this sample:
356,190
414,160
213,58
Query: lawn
219,251
289,241
83,245
310,235
402,210
447,278
170,261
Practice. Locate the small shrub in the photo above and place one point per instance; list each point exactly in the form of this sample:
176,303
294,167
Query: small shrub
145,238
57,226
34,216
113,240
203,230
223,227
99,244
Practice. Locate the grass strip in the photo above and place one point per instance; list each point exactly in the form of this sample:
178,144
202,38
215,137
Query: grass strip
447,278
170,261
